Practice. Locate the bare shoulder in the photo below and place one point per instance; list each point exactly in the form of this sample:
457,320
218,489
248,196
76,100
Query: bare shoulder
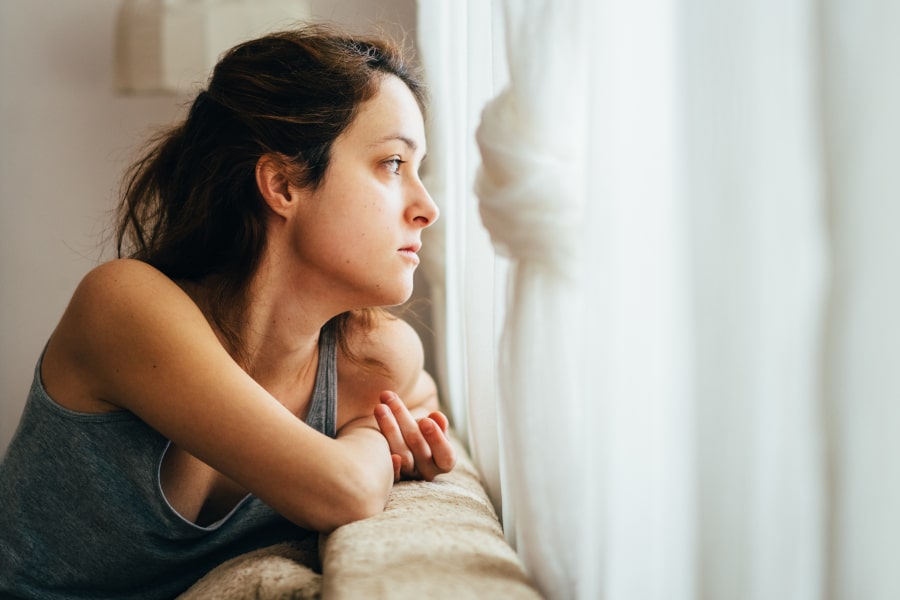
390,349
389,356
120,295
393,342
123,280
116,305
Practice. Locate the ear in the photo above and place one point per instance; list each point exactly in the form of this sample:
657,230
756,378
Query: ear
274,184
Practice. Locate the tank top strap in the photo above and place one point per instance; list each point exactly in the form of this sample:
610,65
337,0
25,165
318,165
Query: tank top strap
322,414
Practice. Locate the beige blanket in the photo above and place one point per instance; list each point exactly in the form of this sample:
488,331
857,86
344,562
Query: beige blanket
438,539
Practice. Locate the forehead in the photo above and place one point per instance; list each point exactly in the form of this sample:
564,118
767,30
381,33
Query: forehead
392,113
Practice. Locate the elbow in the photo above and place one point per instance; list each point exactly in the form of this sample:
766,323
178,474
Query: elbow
358,510
366,493
361,495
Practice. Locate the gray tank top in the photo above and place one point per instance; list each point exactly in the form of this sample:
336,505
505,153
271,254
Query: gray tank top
82,513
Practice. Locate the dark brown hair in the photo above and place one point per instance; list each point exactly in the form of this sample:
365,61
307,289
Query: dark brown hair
190,205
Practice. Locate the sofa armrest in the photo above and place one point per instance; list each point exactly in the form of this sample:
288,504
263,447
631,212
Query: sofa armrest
280,572
438,539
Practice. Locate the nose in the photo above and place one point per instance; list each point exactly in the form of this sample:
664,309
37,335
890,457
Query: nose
422,210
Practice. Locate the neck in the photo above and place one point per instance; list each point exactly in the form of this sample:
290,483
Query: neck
274,337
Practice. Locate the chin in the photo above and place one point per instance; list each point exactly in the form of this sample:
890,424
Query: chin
401,294
398,300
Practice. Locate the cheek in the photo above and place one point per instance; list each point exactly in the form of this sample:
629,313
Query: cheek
355,220
370,222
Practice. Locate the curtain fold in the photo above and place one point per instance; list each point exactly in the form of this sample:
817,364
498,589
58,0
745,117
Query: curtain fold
531,202
861,96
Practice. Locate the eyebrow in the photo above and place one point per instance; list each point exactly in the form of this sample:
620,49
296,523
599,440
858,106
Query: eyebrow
410,143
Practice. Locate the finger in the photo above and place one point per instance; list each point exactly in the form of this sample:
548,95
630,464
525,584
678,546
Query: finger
441,419
412,435
391,432
443,455
397,462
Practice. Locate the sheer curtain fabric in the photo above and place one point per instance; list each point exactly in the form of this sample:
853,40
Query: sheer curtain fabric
695,340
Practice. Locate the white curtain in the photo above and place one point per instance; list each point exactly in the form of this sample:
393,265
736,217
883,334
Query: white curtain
532,203
697,392
455,44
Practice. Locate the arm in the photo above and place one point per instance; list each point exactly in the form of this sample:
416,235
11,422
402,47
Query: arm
408,414
132,339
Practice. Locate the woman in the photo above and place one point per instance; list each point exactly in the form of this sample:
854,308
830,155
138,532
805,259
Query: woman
185,408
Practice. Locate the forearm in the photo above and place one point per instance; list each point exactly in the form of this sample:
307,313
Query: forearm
368,473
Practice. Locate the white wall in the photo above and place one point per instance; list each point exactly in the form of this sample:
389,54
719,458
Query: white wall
65,137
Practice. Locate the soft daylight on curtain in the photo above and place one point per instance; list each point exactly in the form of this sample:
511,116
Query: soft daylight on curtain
676,367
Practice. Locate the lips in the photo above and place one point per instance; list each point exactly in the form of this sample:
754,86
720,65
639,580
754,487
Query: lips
409,252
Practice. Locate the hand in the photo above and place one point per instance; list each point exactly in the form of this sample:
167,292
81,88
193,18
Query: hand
419,449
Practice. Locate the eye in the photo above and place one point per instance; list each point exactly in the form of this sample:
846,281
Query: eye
393,165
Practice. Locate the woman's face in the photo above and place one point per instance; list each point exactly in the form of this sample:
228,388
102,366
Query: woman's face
360,229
